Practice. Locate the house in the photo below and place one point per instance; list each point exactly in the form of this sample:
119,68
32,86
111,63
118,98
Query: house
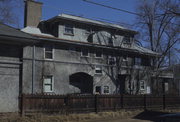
70,54
80,55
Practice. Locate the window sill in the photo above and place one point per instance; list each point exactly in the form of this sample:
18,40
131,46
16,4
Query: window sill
98,57
47,59
69,34
98,74
85,56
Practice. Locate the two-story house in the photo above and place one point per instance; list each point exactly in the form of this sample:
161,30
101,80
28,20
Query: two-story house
70,55
80,55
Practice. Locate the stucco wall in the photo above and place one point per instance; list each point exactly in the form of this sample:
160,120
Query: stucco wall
64,64
9,78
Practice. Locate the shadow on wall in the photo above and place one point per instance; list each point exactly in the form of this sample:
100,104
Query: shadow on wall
83,81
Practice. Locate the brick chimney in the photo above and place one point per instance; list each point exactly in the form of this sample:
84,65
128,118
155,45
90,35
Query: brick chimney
32,13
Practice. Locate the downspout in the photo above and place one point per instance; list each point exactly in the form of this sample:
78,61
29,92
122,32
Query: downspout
33,68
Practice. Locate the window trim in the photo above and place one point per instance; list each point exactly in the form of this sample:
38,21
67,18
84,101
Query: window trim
52,78
84,55
65,33
45,53
98,67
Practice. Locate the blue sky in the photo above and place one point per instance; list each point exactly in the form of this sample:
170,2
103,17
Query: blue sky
52,8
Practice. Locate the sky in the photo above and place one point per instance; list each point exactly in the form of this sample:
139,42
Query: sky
53,8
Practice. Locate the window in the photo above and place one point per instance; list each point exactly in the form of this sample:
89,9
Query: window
48,52
166,87
106,89
48,84
98,70
112,61
72,49
126,39
125,58
98,89
137,61
68,29
85,52
110,41
142,85
98,54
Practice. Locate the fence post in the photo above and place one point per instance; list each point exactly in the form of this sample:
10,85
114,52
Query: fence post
23,104
122,101
68,104
144,101
96,103
164,101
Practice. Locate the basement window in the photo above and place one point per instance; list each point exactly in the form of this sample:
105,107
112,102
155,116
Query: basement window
98,69
68,29
106,90
48,84
48,52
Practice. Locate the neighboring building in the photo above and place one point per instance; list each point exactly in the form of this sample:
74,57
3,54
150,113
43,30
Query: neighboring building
12,42
168,81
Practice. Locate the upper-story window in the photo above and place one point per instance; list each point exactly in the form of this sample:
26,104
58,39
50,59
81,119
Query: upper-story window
112,60
125,58
137,61
126,39
85,52
48,52
98,54
68,29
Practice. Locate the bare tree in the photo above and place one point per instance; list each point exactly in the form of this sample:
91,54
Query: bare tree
159,24
8,13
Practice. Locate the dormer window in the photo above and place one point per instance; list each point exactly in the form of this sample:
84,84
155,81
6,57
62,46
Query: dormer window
127,39
68,29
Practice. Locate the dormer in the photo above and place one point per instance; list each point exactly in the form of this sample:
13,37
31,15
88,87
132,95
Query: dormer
81,29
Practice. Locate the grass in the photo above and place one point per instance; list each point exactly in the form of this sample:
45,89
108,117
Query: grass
14,117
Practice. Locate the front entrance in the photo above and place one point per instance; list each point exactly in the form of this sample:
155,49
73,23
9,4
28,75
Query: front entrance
83,81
